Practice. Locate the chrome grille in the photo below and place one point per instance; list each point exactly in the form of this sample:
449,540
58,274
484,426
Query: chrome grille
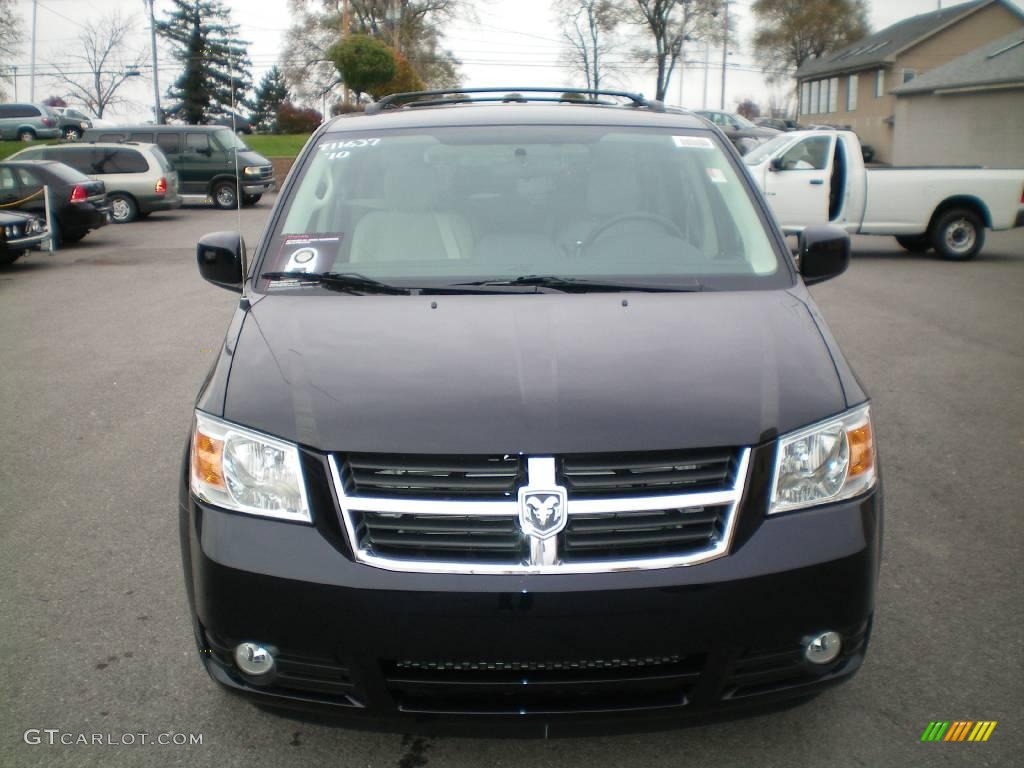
648,534
462,514
432,477
648,472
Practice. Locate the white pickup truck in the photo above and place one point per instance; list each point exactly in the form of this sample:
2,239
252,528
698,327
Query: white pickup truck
819,177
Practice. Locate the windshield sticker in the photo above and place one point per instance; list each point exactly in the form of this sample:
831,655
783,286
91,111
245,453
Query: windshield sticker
339,150
693,142
309,254
716,175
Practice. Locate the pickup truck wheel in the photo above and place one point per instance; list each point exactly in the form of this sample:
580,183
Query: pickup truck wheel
914,243
958,234
250,199
225,195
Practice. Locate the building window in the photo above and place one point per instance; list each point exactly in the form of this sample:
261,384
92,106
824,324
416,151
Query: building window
879,83
908,75
851,94
805,98
833,94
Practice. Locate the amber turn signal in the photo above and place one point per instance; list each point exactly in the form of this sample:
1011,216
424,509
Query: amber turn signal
206,459
862,449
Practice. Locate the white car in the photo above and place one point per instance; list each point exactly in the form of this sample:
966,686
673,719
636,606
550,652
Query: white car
818,177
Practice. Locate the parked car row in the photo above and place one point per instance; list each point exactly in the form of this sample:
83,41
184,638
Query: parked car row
124,174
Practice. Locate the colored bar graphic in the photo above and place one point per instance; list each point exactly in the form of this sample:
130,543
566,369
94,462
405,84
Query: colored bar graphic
935,730
958,730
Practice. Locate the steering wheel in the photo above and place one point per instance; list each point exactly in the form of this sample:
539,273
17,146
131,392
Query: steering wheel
666,224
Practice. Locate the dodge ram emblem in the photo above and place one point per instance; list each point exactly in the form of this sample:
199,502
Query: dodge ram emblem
542,513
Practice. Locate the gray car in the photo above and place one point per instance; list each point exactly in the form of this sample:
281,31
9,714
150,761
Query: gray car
72,122
138,178
28,122
741,132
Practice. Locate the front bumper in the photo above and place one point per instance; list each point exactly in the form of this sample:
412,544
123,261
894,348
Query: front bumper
533,654
258,187
28,243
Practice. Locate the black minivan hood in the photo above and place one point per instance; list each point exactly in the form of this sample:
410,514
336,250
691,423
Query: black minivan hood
535,373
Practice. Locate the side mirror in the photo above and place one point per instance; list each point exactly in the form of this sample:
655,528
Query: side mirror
219,256
775,164
824,253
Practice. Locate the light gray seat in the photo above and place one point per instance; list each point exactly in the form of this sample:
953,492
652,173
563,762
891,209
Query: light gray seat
415,225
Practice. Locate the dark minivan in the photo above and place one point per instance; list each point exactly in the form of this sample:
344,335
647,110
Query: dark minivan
526,418
206,159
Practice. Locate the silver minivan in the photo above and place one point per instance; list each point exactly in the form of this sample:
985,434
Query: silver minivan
28,122
138,178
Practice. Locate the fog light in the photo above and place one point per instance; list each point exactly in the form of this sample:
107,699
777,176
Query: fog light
823,648
254,659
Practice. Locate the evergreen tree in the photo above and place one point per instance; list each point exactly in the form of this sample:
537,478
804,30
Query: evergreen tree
271,94
216,63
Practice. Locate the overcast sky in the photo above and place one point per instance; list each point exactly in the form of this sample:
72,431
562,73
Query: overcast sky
509,42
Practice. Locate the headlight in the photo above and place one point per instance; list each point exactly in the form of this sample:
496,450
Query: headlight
34,227
827,462
252,170
245,471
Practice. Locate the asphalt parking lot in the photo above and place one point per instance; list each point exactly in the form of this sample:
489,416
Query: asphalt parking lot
105,344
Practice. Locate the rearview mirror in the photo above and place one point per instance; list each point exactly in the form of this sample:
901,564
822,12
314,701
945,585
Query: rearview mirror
776,164
219,256
824,253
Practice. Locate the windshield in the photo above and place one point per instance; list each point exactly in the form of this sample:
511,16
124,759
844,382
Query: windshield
228,139
445,206
759,153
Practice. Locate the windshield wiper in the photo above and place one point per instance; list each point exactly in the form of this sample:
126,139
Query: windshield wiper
582,285
351,282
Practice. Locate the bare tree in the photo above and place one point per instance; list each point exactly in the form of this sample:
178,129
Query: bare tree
670,24
588,28
94,74
10,39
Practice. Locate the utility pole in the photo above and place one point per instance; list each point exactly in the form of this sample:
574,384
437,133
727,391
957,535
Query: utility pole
14,77
707,66
158,114
32,71
346,28
725,52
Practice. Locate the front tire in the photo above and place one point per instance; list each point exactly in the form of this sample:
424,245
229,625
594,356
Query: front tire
958,234
225,195
250,199
122,208
914,243
9,257
72,134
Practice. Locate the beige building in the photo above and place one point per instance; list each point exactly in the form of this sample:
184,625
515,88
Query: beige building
967,112
853,86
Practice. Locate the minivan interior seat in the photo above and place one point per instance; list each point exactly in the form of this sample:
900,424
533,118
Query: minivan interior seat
415,224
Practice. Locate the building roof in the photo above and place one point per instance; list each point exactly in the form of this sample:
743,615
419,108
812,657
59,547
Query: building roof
881,47
999,63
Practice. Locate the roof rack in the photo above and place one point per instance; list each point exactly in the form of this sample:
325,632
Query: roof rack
509,96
